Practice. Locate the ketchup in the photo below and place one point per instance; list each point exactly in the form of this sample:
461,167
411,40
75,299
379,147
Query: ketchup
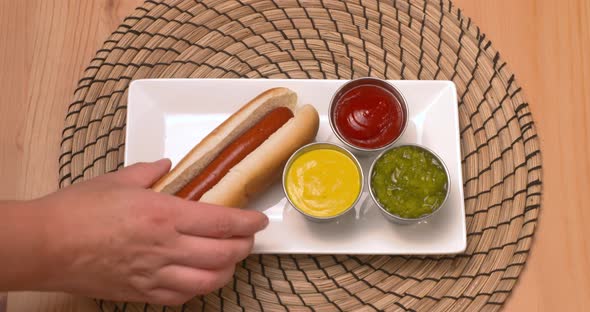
369,116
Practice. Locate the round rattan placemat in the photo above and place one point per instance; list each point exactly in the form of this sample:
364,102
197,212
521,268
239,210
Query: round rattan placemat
404,39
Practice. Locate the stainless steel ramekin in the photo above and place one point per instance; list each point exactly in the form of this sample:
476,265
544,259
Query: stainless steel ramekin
395,218
361,151
315,146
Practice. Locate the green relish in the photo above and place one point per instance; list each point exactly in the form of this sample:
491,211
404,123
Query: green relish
409,182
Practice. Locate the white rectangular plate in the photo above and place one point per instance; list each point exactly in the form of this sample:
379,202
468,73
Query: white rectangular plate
167,117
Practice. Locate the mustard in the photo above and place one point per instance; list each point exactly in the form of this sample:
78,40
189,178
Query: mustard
323,182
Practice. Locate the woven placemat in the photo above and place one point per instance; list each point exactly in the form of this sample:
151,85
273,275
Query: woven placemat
335,40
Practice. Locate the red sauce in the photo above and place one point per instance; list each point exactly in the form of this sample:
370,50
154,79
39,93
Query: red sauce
369,116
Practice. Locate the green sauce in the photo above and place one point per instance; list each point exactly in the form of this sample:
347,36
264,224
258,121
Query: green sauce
409,182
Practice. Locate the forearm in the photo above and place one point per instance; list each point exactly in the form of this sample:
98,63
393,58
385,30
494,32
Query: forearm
25,257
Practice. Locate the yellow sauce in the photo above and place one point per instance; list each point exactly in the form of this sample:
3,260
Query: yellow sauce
323,182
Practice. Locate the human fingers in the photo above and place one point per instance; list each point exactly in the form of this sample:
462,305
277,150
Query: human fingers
210,253
190,281
213,221
143,174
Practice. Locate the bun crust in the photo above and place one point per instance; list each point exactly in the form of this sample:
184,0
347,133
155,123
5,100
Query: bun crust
263,166
259,169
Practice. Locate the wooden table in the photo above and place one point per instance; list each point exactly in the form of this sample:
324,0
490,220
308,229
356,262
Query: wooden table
45,45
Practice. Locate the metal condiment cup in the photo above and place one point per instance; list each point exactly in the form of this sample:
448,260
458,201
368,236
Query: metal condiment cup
315,146
395,218
362,151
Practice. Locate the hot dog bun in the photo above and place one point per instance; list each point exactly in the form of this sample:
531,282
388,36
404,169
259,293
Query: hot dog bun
261,167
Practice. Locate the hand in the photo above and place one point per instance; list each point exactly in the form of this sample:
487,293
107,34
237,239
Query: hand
113,238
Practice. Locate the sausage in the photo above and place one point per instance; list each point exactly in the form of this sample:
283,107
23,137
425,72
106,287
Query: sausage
234,153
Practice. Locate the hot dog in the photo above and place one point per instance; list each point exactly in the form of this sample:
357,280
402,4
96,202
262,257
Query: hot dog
245,154
235,152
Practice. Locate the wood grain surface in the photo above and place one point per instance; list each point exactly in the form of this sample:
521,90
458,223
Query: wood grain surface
45,45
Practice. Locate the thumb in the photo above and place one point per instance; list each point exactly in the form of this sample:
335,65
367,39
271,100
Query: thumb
141,174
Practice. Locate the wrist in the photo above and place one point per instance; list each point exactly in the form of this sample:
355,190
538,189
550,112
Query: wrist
25,264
